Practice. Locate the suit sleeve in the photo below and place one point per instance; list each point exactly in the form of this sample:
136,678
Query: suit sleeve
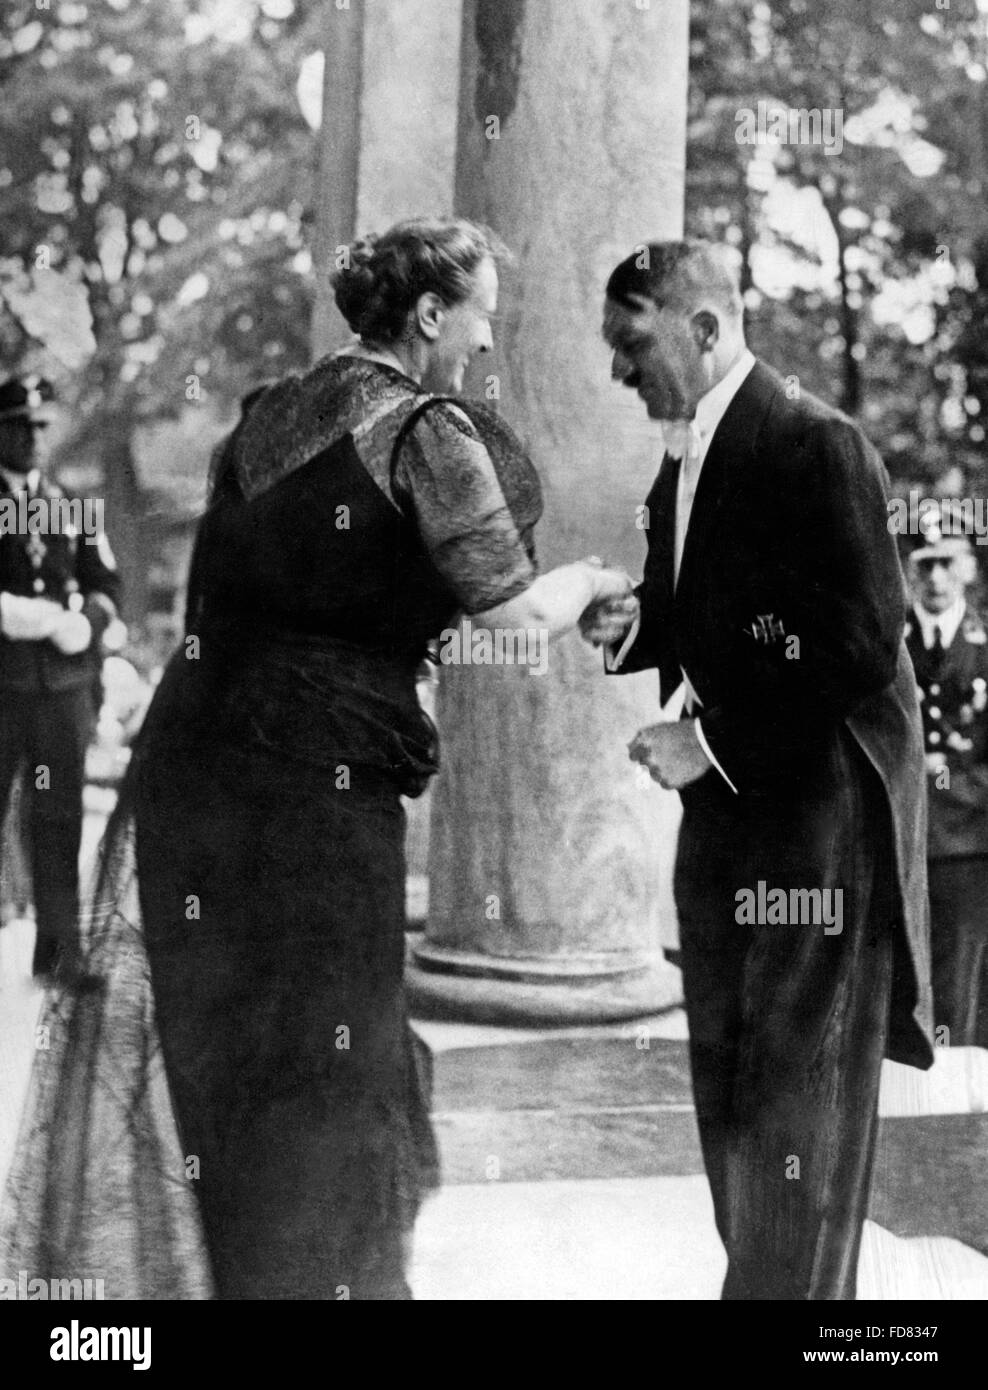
643,653
840,584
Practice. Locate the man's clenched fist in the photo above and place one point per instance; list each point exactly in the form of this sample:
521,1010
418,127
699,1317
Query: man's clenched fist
671,752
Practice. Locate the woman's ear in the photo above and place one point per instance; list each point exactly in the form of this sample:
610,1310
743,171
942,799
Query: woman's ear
706,330
429,314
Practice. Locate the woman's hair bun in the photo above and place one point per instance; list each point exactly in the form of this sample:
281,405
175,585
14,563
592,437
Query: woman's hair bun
361,251
384,276
354,282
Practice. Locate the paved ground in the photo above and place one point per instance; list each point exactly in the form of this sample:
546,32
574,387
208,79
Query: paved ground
572,1170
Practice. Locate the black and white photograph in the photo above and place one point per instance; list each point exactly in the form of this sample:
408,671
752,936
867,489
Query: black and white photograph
494,663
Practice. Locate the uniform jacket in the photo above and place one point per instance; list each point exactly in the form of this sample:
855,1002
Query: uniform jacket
788,619
954,693
67,569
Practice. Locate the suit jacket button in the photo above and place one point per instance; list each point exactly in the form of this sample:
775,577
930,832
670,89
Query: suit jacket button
39,586
934,712
934,737
934,690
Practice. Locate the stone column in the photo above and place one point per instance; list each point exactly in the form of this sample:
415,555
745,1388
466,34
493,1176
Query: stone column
550,858
388,134
338,168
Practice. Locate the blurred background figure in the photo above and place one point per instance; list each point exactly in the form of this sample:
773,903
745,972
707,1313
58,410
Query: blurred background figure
948,643
58,594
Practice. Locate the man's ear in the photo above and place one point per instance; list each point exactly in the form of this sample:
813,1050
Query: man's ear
706,330
429,314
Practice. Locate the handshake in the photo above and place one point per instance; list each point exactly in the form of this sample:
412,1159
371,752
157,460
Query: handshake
609,616
35,619
670,752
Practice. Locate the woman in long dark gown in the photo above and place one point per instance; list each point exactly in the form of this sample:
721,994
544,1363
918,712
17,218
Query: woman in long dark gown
353,515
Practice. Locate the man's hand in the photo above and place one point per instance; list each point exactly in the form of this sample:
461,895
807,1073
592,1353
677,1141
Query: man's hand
671,752
608,620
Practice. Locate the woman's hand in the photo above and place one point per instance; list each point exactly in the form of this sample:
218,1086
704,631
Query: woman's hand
554,602
608,583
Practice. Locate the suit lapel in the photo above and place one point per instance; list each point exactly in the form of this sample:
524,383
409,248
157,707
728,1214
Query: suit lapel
661,504
731,451
662,530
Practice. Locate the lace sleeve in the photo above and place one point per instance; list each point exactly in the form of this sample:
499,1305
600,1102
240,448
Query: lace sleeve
473,536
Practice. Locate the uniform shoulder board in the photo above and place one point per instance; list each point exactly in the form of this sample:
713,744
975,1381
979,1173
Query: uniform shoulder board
105,553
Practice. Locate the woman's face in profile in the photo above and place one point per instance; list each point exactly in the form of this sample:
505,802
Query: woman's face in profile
465,330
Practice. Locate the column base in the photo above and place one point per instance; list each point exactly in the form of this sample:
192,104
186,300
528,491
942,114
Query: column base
468,987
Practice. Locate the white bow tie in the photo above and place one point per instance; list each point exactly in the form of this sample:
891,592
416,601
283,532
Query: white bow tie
682,437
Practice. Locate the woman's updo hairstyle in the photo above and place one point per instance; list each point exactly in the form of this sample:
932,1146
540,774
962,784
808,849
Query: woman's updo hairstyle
387,274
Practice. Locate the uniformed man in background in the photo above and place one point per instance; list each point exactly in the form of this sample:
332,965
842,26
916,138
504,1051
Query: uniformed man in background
58,592
948,643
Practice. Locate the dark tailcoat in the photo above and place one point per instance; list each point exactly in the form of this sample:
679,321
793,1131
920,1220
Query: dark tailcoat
788,539
788,619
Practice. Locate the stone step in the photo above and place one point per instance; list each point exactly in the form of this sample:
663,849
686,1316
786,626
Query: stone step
555,1109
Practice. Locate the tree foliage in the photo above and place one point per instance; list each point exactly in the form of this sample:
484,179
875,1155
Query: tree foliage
153,152
865,274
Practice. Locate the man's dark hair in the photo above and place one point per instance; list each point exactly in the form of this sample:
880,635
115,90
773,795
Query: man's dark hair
681,274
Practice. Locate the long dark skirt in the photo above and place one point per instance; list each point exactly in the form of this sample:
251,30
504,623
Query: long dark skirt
273,909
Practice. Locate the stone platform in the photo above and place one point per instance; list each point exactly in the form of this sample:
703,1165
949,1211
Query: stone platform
572,1167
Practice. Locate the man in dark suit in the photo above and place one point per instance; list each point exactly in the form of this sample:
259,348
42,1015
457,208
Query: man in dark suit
772,590
948,644
58,592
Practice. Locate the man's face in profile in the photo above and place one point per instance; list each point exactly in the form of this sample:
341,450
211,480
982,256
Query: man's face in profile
655,354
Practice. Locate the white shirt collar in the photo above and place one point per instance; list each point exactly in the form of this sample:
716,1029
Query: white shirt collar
710,410
948,622
712,407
